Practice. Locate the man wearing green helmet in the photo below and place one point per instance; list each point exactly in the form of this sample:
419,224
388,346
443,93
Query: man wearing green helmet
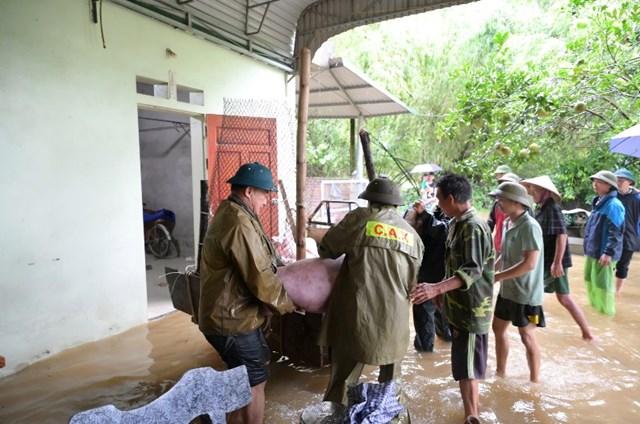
367,316
239,283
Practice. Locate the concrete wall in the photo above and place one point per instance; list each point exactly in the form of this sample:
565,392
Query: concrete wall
72,256
165,153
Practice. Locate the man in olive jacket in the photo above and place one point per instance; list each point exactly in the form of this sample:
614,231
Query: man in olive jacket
367,316
238,282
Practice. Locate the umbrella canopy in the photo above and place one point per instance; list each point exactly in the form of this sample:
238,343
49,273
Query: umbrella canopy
627,142
424,168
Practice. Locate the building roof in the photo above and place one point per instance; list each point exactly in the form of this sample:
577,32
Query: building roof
274,31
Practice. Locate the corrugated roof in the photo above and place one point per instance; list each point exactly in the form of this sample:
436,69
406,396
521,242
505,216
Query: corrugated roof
275,30
342,91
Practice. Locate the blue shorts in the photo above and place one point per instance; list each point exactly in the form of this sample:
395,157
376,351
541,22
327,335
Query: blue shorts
249,349
468,355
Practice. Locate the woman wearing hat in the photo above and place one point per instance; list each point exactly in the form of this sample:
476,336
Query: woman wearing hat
521,275
557,259
603,242
630,199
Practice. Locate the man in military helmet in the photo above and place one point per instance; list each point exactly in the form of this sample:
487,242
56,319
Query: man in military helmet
239,283
367,316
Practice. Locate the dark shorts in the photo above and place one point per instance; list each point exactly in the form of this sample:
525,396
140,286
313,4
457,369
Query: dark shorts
558,285
520,315
250,350
622,266
468,355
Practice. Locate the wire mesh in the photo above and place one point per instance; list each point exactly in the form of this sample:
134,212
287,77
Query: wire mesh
253,130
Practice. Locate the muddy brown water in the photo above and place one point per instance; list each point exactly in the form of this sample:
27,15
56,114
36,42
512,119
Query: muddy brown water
580,382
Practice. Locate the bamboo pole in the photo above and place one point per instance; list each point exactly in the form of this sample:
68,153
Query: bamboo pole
301,153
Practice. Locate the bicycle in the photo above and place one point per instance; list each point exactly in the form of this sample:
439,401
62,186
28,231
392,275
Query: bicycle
158,226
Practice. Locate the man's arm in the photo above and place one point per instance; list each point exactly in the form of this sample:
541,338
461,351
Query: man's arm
425,291
253,262
491,221
528,262
556,266
615,233
337,240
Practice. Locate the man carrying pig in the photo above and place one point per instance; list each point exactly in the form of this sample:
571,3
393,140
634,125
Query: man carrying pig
238,281
367,316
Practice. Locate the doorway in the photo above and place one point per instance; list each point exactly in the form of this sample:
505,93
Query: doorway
166,175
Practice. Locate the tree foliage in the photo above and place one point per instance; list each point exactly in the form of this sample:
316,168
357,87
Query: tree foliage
542,91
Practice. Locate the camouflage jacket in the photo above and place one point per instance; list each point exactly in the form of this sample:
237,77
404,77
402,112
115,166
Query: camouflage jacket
470,256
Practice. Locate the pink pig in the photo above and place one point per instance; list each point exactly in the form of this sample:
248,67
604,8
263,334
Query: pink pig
308,282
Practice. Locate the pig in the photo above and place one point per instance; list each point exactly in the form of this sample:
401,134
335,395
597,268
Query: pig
308,282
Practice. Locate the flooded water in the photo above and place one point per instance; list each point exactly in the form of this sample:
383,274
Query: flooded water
580,382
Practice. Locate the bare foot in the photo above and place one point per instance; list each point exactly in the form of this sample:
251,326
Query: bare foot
590,338
472,419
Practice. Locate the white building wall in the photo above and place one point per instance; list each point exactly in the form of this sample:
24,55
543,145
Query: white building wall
72,262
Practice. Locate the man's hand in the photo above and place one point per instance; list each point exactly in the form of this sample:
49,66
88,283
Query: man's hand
604,260
423,292
557,270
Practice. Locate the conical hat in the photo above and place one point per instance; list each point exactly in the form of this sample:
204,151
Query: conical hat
546,183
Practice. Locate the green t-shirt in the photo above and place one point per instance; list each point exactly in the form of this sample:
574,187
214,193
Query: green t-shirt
523,234
470,256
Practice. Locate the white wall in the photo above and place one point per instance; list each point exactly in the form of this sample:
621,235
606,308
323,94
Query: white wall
72,262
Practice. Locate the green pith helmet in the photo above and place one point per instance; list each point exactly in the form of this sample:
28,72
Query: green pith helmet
626,174
512,191
382,190
254,174
502,169
509,176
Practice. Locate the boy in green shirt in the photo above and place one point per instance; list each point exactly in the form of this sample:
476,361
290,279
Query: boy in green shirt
522,274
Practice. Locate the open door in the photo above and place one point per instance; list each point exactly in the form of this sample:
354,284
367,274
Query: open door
232,141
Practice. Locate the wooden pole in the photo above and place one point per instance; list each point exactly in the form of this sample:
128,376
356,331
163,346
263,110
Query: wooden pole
352,145
368,156
301,153
285,199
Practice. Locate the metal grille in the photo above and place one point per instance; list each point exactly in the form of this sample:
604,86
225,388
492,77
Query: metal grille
258,131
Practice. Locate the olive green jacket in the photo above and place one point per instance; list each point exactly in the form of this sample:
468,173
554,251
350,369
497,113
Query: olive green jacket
237,273
367,315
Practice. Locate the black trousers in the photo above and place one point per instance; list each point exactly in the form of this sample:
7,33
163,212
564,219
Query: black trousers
622,266
429,321
425,324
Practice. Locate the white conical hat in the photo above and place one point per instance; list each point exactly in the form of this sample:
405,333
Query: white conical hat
546,183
